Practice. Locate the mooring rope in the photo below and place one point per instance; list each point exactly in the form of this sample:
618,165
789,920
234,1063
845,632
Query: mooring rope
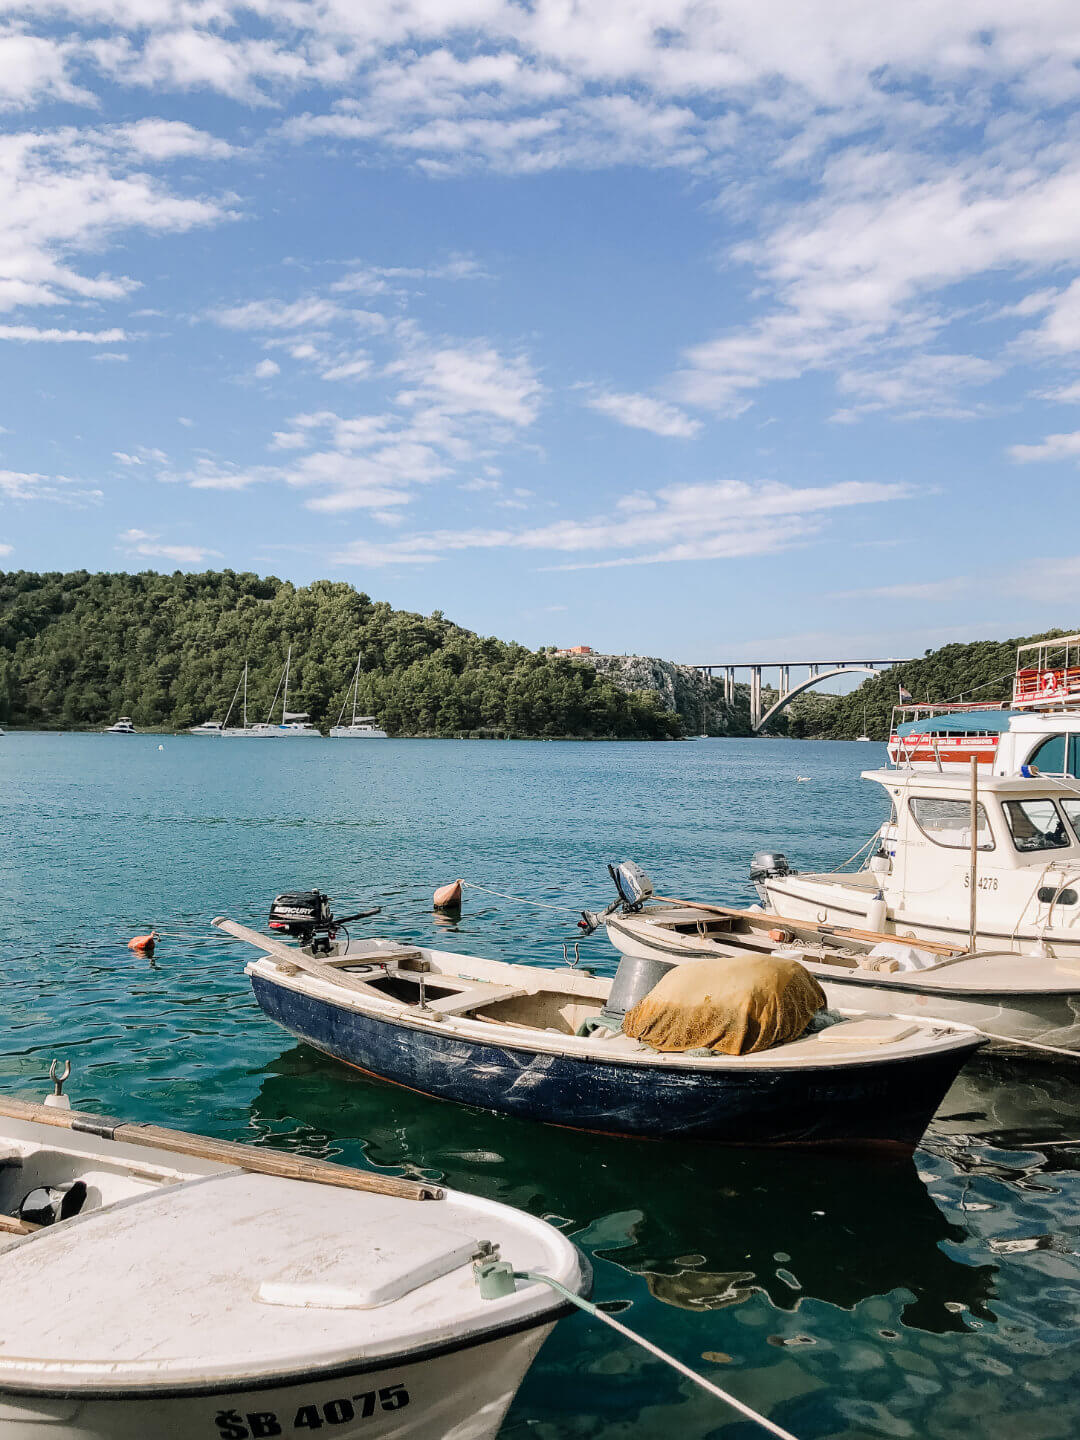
598,1314
520,899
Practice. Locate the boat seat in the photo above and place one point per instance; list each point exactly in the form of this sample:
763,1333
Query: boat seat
475,995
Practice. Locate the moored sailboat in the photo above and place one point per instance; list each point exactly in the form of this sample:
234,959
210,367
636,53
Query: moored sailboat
360,727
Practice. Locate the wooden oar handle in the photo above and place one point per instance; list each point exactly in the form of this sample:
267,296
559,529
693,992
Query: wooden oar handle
252,1158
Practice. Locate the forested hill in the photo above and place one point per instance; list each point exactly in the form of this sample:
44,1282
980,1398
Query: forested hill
980,671
168,650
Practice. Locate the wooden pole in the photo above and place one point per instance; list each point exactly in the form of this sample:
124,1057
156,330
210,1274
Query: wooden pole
256,1160
974,875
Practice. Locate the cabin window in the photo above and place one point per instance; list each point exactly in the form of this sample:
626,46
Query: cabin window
1036,825
1072,813
947,822
1050,756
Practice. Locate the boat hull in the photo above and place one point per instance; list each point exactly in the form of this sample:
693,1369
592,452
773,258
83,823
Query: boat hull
886,1102
462,1393
1048,1019
821,903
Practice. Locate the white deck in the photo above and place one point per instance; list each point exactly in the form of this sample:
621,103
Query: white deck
237,1276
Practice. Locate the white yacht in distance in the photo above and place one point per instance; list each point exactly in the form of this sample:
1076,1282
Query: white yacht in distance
208,727
294,725
123,726
360,727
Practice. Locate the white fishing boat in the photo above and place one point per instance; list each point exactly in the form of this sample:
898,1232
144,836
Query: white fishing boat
123,726
161,1286
916,879
360,727
550,1044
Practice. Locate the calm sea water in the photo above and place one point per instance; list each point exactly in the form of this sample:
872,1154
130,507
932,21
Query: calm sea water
844,1296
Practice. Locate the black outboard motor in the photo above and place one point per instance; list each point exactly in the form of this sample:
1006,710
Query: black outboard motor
306,916
300,913
768,865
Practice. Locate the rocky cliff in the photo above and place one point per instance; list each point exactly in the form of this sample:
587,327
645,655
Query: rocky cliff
697,700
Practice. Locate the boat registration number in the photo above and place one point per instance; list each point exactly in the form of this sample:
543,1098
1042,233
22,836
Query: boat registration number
259,1424
984,882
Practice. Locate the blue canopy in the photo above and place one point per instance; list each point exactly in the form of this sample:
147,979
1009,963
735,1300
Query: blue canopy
977,722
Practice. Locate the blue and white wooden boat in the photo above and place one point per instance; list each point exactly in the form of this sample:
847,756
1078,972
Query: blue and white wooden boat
507,1038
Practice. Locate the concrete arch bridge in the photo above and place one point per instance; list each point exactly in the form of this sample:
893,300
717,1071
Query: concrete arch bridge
819,670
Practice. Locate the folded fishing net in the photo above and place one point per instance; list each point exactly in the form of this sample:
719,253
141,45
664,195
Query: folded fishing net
732,1006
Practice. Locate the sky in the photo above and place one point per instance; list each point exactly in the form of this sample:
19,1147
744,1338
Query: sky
713,331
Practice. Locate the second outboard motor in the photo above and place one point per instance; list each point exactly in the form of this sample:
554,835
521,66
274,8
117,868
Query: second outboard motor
768,865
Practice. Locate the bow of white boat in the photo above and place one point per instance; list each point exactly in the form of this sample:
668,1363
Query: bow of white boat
236,1279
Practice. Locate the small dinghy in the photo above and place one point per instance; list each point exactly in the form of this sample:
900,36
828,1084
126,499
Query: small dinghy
1018,1002
550,1045
165,1286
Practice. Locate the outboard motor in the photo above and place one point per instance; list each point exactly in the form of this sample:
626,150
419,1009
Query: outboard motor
305,915
634,888
767,865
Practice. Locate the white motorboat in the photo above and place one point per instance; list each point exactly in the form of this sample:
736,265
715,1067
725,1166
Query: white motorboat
360,727
159,1286
1029,1003
549,1045
123,726
208,727
916,880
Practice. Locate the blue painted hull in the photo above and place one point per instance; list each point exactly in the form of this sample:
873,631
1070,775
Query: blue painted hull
882,1102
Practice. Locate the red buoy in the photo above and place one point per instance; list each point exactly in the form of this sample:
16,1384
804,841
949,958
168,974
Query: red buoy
448,897
143,944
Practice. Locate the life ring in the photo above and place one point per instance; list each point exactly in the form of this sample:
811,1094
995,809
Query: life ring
1048,682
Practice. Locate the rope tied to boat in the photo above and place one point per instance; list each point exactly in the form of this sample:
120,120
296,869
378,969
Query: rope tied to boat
520,899
707,1385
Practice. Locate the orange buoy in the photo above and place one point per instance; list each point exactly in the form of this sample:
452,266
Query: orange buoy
143,944
448,897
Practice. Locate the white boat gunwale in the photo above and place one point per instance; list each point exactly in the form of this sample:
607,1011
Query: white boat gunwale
913,980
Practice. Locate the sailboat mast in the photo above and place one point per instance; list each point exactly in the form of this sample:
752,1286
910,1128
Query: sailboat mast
245,693
356,684
285,697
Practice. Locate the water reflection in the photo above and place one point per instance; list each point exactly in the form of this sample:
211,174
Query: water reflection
705,1227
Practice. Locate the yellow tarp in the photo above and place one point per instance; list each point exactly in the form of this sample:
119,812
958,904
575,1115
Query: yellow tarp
734,1006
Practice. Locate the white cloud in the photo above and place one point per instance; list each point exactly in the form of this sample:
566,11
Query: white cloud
34,68
278,314
724,520
642,412
1054,447
266,369
29,485
68,191
470,379
115,357
6,549
62,337
149,546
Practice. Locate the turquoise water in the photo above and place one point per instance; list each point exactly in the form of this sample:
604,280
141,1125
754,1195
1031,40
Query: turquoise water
844,1296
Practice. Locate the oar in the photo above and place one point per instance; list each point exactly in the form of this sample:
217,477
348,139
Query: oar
288,955
256,1160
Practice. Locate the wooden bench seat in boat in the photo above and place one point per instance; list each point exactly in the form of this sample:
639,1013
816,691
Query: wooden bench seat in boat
477,993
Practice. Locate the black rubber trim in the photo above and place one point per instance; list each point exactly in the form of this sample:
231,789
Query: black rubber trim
314,1375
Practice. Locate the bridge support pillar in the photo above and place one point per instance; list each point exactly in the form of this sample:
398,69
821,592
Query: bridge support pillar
729,684
785,679
755,696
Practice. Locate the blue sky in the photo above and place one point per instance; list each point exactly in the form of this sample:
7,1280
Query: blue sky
701,330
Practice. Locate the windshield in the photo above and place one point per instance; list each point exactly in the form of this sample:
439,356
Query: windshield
1072,813
948,822
1036,825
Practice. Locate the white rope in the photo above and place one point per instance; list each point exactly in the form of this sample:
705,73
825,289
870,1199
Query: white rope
699,1380
520,899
